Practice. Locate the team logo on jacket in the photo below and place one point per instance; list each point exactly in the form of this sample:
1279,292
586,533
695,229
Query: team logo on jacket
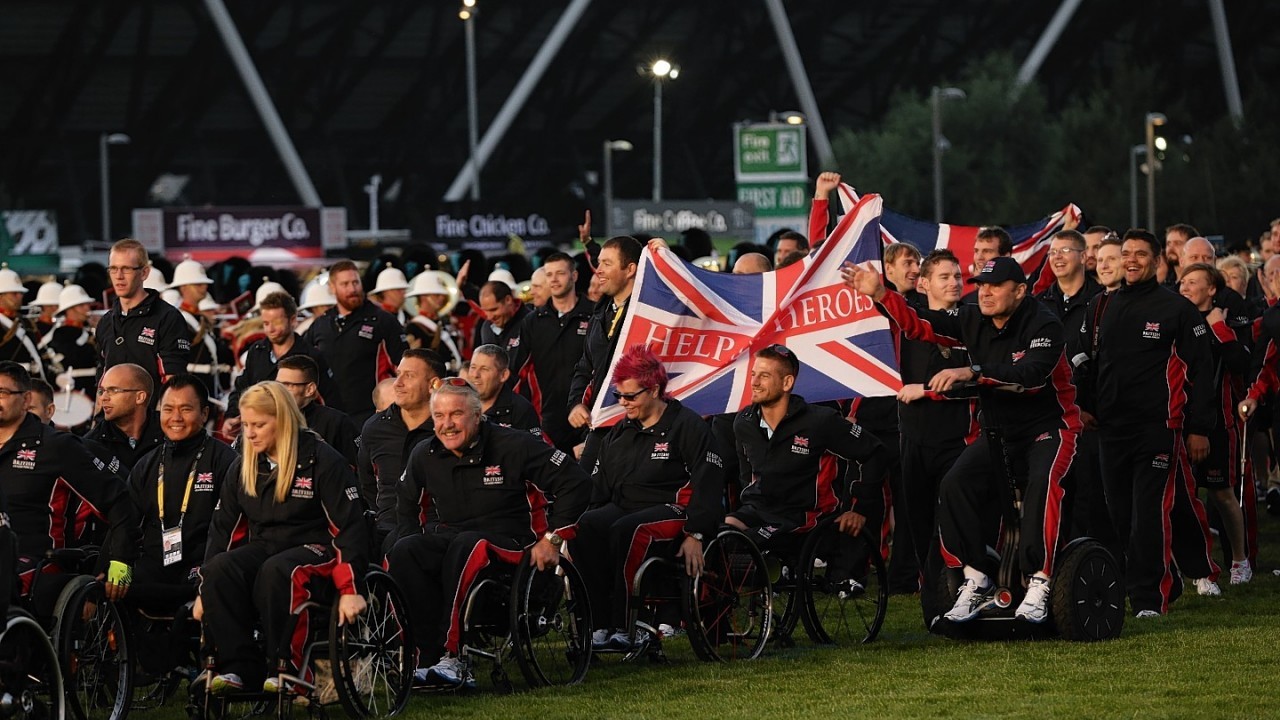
148,336
800,445
661,451
1161,461
25,460
1015,357
303,487
513,343
492,474
366,332
1151,331
582,326
204,482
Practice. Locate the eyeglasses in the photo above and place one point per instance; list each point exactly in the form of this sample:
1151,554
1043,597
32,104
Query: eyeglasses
113,391
7,393
629,397
782,350
123,269
1054,252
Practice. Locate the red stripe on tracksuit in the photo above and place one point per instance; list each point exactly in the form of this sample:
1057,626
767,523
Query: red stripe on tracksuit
478,560
1053,496
1187,482
300,593
948,558
642,538
825,500
1166,525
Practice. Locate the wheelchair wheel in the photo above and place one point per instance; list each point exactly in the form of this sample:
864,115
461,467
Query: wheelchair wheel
844,587
784,569
30,679
372,658
1088,593
93,643
730,605
551,618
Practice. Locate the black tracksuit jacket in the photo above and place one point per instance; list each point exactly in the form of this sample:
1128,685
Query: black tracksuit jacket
550,347
589,373
334,427
385,445
323,507
107,441
1028,351
217,466
1151,360
43,471
361,348
260,363
674,461
794,472
501,484
152,335
510,410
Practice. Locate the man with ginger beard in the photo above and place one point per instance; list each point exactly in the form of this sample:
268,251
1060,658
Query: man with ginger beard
361,341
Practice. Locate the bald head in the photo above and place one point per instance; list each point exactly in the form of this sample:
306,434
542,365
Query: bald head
1198,250
751,263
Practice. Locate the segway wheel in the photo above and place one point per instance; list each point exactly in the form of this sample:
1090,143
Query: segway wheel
1088,594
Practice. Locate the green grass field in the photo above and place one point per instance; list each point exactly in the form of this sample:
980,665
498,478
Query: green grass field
1207,658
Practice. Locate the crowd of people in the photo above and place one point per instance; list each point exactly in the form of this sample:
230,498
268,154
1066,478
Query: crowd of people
230,457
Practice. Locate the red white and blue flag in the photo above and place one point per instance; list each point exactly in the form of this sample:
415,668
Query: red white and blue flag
706,326
1030,240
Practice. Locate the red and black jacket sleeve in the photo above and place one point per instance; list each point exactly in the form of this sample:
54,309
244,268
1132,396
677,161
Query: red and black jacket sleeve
339,493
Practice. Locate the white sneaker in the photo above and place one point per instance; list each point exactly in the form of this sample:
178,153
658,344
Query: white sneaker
1241,573
1207,587
971,601
600,639
451,671
1035,605
1144,614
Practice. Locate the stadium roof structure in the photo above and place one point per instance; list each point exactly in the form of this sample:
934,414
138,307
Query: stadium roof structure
378,87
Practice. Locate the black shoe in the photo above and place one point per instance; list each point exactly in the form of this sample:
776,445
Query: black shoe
1273,501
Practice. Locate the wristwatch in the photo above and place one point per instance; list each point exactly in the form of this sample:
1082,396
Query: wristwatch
976,369
555,540
696,536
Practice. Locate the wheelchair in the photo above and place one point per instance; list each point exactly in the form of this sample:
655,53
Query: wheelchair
1088,591
30,676
365,666
727,610
542,617
90,635
833,584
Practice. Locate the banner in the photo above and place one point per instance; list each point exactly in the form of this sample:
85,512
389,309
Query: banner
274,234
669,218
706,326
491,228
771,167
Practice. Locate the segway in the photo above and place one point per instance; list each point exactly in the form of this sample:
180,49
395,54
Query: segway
1088,591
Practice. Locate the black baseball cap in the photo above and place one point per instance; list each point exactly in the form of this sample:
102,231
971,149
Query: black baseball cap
999,269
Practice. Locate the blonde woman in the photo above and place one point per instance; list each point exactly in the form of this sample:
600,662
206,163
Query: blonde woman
300,504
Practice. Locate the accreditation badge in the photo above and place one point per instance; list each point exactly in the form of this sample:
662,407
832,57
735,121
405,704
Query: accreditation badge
172,539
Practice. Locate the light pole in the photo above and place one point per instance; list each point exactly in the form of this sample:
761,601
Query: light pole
104,167
1134,152
372,189
468,16
609,147
1153,119
940,143
661,70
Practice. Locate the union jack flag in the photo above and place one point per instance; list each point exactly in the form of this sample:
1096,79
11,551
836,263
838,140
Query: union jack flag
661,447
29,455
801,440
706,326
492,470
148,332
1153,327
302,483
1030,240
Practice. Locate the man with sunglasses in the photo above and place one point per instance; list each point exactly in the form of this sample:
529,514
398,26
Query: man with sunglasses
299,375
787,452
140,328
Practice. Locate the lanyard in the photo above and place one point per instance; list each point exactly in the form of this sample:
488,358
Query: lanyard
186,496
